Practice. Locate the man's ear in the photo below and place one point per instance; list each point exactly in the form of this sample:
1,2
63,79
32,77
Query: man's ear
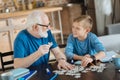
35,28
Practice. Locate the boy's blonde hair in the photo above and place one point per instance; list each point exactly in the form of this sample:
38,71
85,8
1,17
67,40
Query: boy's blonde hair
86,20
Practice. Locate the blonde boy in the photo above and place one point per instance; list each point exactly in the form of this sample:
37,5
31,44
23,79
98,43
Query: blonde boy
82,44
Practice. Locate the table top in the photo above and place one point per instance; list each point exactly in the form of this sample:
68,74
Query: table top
110,73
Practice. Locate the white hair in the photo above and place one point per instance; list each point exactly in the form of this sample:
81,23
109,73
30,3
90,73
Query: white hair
36,17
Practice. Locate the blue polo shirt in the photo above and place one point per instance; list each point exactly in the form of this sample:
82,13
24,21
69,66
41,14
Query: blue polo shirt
91,45
26,44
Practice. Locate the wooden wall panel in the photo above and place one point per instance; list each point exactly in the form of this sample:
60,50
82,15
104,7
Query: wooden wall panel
5,42
19,21
69,13
3,23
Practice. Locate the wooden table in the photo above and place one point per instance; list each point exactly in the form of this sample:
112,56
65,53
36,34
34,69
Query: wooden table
110,73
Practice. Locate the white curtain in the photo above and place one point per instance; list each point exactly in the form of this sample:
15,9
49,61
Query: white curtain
103,10
106,7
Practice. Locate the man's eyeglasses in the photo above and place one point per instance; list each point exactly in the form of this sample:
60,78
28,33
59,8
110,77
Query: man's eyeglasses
44,25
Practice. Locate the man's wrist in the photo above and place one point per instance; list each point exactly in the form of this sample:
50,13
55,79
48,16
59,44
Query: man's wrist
59,59
39,53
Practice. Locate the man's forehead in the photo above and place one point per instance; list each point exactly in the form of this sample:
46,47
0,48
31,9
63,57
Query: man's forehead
45,20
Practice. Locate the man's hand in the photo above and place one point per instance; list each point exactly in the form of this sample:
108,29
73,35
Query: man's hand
43,49
65,65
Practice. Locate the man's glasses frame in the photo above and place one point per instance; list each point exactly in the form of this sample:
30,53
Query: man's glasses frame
44,25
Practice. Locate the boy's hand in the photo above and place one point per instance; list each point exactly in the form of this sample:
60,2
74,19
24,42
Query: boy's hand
86,60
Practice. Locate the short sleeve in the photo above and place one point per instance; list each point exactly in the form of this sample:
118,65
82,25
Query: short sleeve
51,39
19,48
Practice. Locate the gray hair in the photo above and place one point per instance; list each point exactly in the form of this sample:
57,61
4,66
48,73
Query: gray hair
36,17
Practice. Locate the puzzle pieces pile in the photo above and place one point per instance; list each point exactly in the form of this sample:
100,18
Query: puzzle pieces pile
76,72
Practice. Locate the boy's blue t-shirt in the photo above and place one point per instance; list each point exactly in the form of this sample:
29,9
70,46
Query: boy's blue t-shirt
26,44
91,45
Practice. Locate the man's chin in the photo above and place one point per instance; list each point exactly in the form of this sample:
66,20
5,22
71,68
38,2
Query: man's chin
45,35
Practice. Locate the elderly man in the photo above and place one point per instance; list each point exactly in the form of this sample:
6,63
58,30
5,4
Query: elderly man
32,45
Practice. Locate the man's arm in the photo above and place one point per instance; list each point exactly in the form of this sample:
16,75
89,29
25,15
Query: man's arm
61,58
58,54
27,61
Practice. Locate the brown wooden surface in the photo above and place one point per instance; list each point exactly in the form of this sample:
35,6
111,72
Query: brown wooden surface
68,14
110,73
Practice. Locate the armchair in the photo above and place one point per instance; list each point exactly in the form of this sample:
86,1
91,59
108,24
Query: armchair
113,28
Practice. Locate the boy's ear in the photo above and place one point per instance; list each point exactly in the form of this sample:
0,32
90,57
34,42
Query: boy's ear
88,30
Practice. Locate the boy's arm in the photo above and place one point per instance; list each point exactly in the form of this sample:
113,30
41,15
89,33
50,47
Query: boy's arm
77,57
100,55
